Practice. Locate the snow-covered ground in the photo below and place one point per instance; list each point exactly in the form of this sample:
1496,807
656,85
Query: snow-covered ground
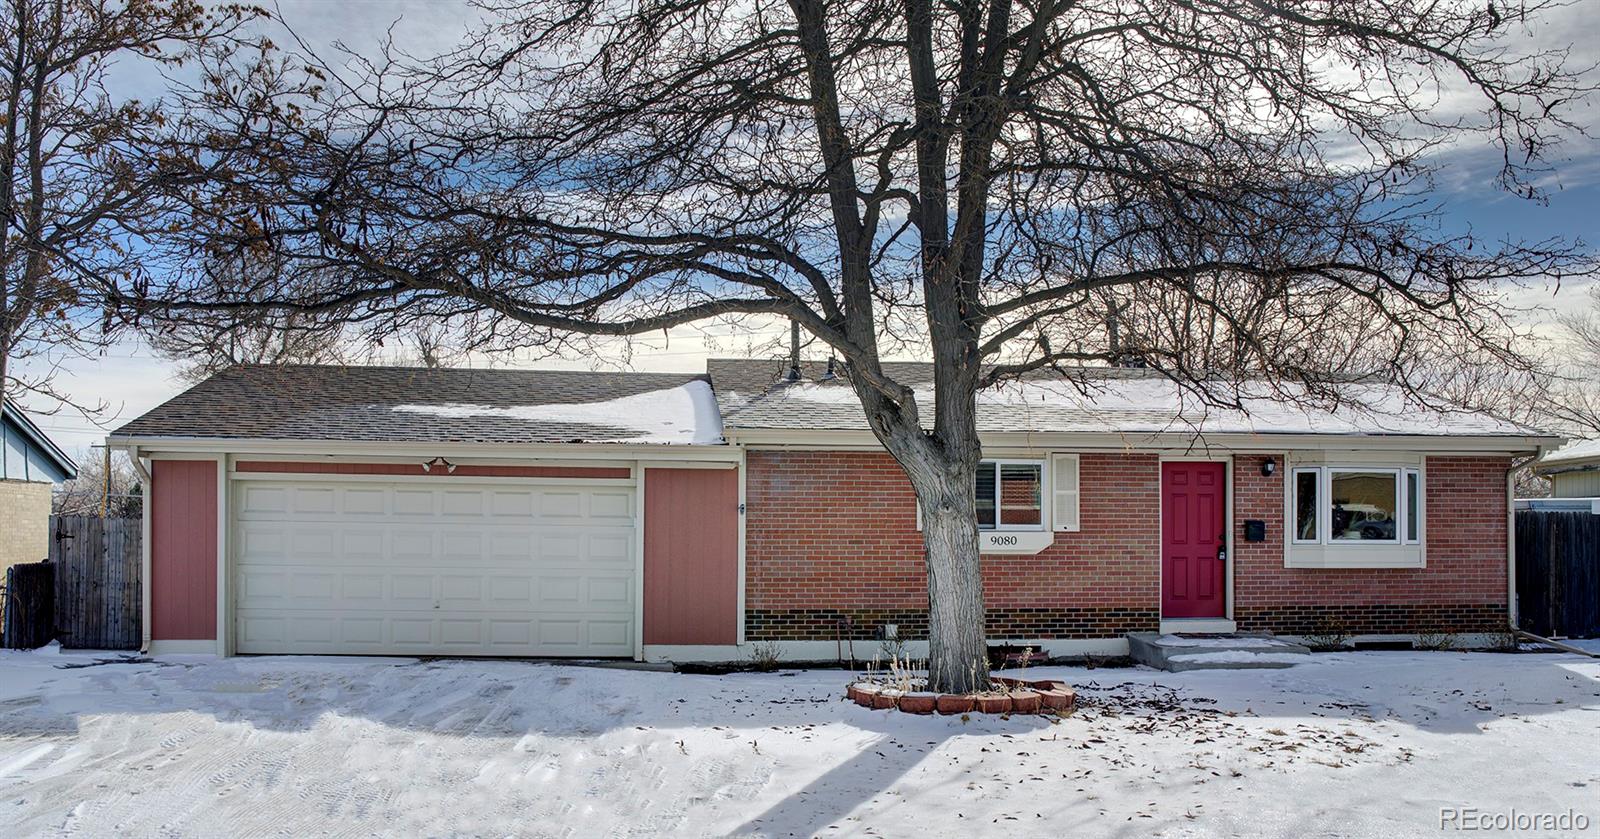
1357,744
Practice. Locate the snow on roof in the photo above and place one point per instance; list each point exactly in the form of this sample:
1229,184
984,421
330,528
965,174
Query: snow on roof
1143,405
685,415
1574,452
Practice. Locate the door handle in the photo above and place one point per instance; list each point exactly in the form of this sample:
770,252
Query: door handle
1222,554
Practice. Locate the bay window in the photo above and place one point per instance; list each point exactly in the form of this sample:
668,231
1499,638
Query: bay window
1356,505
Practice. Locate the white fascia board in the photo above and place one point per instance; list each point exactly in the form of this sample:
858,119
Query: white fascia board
1562,467
1164,443
403,450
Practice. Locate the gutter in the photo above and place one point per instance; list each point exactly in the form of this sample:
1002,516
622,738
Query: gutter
145,488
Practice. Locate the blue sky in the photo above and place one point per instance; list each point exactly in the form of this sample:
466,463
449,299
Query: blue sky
132,380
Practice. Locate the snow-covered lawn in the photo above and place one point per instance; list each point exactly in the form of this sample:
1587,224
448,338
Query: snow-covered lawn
1359,744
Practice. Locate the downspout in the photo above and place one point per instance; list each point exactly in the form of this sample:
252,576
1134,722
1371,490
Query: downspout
145,488
1511,547
1511,536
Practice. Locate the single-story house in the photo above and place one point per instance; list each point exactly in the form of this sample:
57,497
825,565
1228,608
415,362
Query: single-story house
30,467
371,510
1573,470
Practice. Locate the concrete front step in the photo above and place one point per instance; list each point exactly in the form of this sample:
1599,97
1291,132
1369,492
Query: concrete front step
1231,651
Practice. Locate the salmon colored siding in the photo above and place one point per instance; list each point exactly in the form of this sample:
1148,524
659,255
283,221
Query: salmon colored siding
183,550
691,556
463,471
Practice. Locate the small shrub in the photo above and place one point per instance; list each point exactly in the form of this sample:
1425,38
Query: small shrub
765,655
1502,640
1438,641
1327,637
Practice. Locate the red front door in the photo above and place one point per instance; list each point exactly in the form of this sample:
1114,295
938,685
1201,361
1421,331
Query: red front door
1193,573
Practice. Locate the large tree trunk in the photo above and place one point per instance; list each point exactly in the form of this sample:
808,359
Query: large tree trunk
957,650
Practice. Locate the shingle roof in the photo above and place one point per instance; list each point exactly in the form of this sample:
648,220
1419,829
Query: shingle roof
1575,453
754,396
409,404
315,402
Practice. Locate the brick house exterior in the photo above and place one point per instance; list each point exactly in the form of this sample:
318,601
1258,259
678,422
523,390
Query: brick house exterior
691,517
833,535
832,548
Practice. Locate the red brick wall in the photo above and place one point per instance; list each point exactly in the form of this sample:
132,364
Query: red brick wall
1463,587
832,536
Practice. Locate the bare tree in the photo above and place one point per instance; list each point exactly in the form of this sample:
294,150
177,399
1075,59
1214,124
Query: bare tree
971,179
91,493
76,193
207,342
1573,401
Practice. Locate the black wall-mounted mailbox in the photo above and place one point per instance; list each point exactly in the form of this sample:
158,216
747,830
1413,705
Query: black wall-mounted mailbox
1255,530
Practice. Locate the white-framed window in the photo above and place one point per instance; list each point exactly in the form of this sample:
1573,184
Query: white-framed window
1010,494
1017,494
1356,505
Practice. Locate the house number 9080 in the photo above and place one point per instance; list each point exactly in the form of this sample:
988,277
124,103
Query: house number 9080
1003,541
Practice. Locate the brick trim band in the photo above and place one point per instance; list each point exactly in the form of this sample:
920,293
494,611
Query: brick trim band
912,624
1374,619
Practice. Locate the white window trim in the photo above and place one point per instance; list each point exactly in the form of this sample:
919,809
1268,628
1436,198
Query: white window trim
1326,552
1327,508
1045,496
1044,493
1405,511
1319,511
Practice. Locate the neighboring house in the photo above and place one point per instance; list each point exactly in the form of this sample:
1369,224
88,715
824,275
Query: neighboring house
686,517
1573,470
30,467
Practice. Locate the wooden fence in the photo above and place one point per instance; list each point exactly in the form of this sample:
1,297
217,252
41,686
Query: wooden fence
97,581
1558,573
29,605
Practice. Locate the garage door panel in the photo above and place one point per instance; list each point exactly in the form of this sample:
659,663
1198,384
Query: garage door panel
459,545
365,502
414,502
411,631
466,570
312,500
462,503
610,591
610,633
518,505
611,505
362,588
614,549
264,587
264,500
312,543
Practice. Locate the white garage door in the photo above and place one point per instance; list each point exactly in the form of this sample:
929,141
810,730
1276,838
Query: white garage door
449,569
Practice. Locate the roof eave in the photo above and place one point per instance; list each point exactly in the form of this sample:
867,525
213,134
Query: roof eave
38,437
147,444
1238,441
